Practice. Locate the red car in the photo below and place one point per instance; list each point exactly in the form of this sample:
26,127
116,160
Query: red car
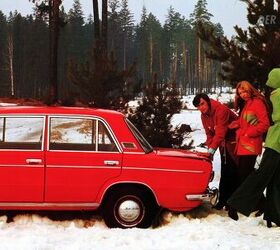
62,158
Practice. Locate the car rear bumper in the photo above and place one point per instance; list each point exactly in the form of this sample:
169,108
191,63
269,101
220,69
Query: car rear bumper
211,195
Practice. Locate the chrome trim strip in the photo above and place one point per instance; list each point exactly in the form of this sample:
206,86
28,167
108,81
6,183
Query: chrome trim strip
130,182
93,167
21,150
47,204
84,151
165,170
96,134
22,165
137,153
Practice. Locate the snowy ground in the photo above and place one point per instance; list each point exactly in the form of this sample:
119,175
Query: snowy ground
202,228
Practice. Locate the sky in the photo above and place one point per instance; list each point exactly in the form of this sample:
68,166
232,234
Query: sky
202,228
227,12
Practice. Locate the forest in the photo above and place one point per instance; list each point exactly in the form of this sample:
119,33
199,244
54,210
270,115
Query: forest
136,51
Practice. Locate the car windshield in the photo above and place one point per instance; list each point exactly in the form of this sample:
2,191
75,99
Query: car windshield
139,137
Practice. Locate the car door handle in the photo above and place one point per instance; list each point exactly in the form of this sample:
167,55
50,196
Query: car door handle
111,163
33,161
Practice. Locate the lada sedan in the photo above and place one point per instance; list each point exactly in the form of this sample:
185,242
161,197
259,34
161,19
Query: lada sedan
62,158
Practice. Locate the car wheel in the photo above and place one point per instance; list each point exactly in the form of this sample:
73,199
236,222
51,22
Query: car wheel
129,207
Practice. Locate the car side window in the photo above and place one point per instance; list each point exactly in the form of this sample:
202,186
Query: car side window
72,134
105,140
21,132
80,134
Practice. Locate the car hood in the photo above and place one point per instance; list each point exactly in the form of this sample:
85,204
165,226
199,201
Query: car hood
179,153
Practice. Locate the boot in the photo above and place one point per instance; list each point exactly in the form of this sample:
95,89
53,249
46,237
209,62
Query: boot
260,206
232,213
268,223
219,205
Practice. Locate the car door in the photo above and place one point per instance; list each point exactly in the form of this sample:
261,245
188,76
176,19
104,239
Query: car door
21,158
82,155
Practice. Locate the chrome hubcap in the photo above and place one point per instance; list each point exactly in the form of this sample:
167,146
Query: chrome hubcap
129,211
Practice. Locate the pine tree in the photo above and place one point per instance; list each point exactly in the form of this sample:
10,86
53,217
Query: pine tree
17,27
251,54
51,8
98,79
200,14
115,41
149,47
127,32
103,86
178,38
203,70
75,23
75,45
153,116
37,38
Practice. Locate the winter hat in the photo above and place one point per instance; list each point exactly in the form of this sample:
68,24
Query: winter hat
273,80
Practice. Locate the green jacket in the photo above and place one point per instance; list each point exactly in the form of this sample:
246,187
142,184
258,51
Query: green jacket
273,135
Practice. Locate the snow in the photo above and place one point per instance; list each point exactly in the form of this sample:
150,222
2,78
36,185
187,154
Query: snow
201,228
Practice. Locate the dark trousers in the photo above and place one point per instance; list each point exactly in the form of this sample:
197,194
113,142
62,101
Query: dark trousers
245,167
248,195
228,180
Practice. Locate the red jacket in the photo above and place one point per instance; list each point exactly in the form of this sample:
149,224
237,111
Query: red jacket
253,123
216,123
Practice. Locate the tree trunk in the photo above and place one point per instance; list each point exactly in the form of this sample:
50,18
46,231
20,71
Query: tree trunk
10,62
151,55
96,20
53,34
160,64
124,52
104,25
185,64
199,66
174,67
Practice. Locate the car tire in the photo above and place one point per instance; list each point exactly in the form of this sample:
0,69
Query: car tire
129,207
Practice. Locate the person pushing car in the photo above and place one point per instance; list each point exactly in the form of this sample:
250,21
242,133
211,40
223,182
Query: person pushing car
215,118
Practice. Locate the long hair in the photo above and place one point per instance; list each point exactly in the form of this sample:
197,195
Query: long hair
239,103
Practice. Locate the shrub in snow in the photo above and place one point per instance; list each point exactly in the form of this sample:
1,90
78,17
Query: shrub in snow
153,115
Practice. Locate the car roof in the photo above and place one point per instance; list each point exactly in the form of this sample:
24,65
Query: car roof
58,110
